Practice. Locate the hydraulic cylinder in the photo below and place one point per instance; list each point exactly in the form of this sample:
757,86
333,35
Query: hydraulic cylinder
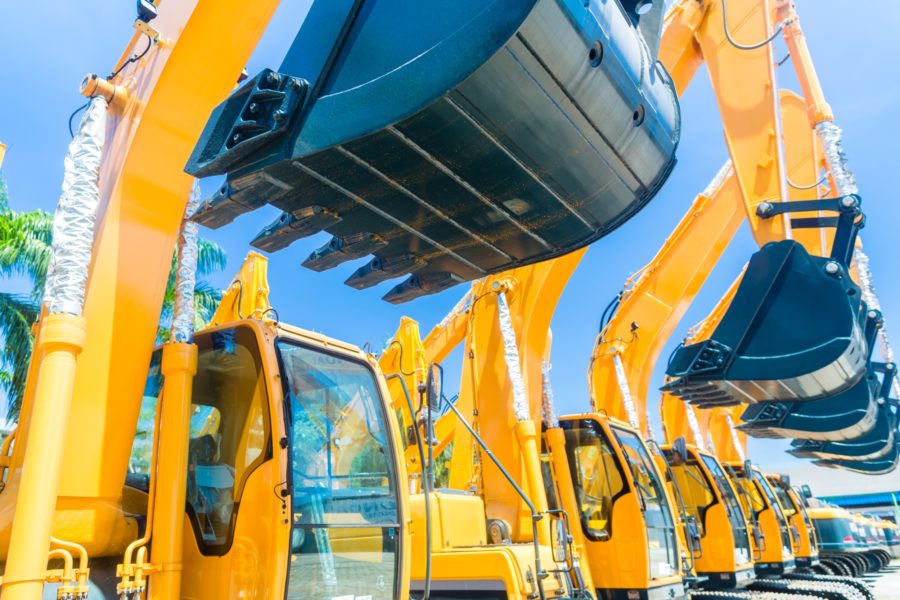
60,341
179,365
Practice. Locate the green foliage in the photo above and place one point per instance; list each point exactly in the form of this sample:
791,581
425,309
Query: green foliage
442,467
25,252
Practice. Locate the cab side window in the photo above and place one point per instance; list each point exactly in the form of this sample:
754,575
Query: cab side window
229,433
597,477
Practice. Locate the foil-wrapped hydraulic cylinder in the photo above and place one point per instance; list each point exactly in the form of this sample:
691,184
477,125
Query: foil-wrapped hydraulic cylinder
76,214
186,272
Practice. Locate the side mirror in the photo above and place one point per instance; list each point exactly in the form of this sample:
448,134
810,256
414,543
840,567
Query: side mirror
560,541
679,447
806,491
433,385
786,482
748,469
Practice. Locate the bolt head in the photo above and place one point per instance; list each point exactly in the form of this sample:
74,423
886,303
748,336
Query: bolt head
273,77
832,268
253,108
236,138
848,201
279,116
764,209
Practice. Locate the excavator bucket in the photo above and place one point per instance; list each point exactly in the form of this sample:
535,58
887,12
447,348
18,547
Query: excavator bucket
881,466
875,444
794,332
448,139
843,417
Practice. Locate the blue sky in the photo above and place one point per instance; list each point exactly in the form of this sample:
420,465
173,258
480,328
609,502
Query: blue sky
44,59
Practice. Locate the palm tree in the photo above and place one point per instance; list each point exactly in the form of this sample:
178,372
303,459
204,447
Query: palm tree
25,253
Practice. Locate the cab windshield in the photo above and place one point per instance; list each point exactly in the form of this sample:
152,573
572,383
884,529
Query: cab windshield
345,539
787,505
763,484
694,488
657,512
732,507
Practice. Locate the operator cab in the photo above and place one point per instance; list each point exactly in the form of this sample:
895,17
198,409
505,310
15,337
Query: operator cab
708,497
625,512
291,467
806,552
774,547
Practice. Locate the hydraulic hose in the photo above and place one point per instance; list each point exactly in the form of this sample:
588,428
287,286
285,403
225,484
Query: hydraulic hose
426,593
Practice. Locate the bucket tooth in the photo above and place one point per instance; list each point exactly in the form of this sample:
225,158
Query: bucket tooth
421,285
223,207
383,268
290,227
794,332
344,248
409,119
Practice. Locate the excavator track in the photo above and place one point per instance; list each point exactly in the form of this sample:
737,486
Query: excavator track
750,595
829,588
860,586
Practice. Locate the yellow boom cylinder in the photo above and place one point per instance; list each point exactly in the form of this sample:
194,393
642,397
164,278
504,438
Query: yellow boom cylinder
179,365
61,340
526,431
556,441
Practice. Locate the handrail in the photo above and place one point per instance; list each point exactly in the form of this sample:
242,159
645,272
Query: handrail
535,517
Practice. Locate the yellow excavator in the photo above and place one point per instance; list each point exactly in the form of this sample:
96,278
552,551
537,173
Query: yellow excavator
253,414
273,466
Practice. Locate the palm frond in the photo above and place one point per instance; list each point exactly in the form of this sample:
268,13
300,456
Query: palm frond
17,314
25,245
211,257
4,194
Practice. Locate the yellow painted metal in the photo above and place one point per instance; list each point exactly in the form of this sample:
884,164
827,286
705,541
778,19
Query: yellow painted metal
486,390
143,193
527,435
743,81
565,491
804,160
79,576
461,553
718,542
61,340
621,561
532,294
247,297
257,562
405,358
179,364
730,444
2,153
772,550
116,96
654,303
803,536
818,109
